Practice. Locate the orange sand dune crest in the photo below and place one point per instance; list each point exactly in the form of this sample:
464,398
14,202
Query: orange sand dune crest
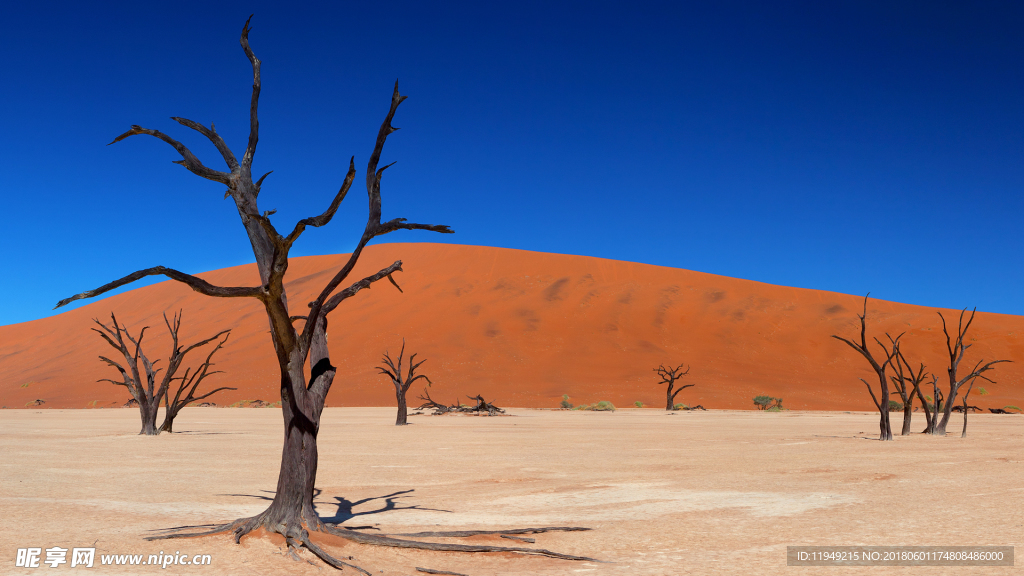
521,328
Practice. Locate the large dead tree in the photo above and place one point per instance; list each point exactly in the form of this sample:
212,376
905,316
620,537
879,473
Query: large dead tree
908,385
292,513
146,392
884,425
394,371
669,376
956,349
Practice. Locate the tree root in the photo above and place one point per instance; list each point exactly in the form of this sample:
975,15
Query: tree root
466,533
429,571
378,540
297,536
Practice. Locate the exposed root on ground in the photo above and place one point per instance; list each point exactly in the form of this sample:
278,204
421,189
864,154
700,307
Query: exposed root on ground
429,571
297,536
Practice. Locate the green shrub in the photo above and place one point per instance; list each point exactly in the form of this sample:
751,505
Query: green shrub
565,405
603,406
767,402
638,404
1011,408
680,406
774,409
895,406
982,391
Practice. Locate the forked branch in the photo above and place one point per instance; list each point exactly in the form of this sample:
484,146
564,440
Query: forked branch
188,159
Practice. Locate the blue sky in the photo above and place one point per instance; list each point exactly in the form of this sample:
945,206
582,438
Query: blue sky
846,146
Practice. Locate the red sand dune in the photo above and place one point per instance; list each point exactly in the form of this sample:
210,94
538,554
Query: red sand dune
522,328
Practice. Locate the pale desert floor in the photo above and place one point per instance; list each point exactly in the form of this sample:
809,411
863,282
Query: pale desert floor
720,492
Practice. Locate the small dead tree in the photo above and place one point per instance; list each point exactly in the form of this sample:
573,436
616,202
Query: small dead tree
393,370
956,349
884,425
146,392
292,513
669,376
970,387
908,384
188,384
931,407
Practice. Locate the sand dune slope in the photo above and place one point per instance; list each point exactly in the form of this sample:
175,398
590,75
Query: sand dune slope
521,328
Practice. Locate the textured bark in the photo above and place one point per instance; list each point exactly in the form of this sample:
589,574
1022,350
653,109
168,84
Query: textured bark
884,425
292,513
669,376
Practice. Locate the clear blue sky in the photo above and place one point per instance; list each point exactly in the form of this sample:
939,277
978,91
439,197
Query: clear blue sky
846,146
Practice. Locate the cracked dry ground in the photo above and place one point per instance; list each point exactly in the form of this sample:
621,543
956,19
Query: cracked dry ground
718,492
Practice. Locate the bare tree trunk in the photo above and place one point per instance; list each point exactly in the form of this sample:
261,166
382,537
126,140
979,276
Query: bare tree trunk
884,424
293,501
148,411
403,411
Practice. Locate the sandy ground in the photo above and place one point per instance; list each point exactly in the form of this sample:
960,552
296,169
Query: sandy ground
718,492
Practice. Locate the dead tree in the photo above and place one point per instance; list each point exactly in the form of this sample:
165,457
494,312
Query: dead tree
292,513
884,425
903,381
147,393
189,383
931,408
669,376
956,349
394,371
970,387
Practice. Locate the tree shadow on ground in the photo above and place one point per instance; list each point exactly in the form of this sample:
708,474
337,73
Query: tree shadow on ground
345,506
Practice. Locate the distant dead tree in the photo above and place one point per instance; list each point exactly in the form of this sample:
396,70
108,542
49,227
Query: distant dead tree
393,370
908,385
188,384
292,513
956,349
669,376
144,389
966,408
883,405
931,407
